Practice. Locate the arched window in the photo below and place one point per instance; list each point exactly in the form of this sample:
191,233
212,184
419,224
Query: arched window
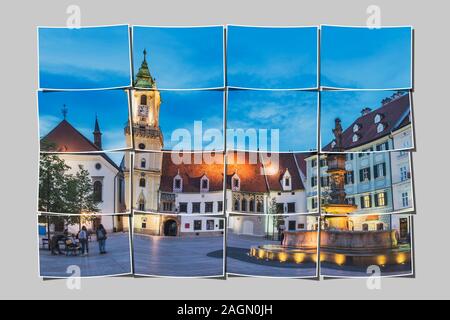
259,206
236,205
244,205
98,191
142,182
142,204
251,206
143,163
143,99
355,138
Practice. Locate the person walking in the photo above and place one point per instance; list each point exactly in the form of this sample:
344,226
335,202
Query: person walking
101,238
84,241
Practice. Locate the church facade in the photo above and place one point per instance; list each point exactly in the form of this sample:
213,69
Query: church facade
77,151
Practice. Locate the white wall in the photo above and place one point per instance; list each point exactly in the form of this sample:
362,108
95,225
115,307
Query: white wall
189,198
108,172
190,221
299,198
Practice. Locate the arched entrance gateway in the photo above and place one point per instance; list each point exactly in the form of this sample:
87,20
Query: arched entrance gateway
170,228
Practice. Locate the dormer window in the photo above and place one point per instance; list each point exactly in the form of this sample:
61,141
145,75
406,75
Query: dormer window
177,183
204,184
356,127
380,127
235,183
355,138
377,118
286,182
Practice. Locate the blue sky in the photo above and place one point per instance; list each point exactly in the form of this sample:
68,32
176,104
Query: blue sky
347,106
111,107
181,58
180,109
272,58
85,58
361,58
294,113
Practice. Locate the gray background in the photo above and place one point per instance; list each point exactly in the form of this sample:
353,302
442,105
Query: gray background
19,160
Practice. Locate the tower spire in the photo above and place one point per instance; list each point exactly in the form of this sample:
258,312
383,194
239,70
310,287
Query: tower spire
97,134
143,77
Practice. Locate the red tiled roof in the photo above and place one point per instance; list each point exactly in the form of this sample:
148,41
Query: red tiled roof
191,173
286,162
249,168
395,115
68,139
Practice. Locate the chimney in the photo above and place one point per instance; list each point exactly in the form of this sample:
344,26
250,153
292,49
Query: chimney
97,134
365,111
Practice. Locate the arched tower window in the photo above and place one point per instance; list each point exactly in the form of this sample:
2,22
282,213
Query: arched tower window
143,99
98,186
142,182
143,163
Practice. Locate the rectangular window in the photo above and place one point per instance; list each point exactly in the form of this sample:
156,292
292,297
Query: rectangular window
314,203
204,184
287,182
221,224
313,163
167,206
208,207
183,207
291,207
364,175
144,225
405,199
380,199
349,179
197,225
219,206
313,181
291,225
379,170
349,156
196,207
323,162
301,226
403,173
209,224
177,184
280,207
325,181
366,202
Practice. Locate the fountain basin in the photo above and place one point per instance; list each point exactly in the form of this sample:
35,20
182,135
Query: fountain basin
356,248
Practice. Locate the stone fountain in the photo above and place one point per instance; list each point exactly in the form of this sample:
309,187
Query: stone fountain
338,244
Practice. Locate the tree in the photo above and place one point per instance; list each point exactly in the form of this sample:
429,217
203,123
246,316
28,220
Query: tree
277,220
52,183
60,192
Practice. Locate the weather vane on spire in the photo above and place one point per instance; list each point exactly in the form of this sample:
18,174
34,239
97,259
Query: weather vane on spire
64,111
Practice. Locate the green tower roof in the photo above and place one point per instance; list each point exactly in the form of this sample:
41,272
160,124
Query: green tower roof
143,77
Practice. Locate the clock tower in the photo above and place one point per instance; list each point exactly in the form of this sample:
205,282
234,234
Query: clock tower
145,135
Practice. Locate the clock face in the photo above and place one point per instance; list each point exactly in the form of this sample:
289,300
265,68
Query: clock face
143,111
